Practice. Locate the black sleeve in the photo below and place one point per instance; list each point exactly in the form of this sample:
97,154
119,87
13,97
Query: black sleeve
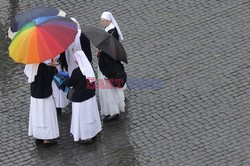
85,82
85,44
106,64
48,72
63,61
74,79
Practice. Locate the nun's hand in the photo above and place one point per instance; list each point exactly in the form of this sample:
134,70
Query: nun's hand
98,53
53,63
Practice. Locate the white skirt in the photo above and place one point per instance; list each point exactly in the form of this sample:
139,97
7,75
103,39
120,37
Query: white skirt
85,122
111,99
43,122
60,97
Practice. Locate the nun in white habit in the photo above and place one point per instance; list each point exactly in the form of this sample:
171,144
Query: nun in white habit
111,99
43,124
73,48
60,97
85,122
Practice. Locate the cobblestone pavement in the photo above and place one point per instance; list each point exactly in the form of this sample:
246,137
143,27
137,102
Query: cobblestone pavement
194,109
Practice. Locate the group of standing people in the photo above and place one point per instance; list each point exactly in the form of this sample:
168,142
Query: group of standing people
47,100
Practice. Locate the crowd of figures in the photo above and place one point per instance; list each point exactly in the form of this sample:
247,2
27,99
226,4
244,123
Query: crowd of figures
47,100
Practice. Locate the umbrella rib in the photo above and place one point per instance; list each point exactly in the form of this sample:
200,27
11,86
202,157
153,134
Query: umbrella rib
47,46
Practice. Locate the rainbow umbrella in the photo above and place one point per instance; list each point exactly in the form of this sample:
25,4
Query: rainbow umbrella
42,39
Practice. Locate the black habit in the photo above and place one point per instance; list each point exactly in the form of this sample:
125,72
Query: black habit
86,48
106,63
41,87
85,44
83,89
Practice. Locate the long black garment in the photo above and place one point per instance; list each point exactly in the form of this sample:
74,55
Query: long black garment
83,89
106,63
63,62
85,44
41,87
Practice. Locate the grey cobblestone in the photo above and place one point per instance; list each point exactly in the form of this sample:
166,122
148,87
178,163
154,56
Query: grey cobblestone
199,116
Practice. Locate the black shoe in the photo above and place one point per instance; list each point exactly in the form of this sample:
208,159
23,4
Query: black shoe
94,138
106,118
59,111
110,118
49,144
38,142
85,142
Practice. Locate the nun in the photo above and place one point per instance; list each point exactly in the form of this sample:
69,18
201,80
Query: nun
111,99
85,122
60,97
81,42
43,124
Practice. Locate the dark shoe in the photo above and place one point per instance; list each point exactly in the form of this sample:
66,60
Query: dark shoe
106,118
59,111
39,142
49,144
85,142
94,138
110,118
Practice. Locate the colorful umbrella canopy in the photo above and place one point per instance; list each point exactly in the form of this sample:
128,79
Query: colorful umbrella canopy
42,39
21,19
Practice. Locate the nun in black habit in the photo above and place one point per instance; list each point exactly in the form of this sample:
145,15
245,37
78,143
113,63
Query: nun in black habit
111,99
85,122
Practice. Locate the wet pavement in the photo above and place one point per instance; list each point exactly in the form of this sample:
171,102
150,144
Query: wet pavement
188,69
